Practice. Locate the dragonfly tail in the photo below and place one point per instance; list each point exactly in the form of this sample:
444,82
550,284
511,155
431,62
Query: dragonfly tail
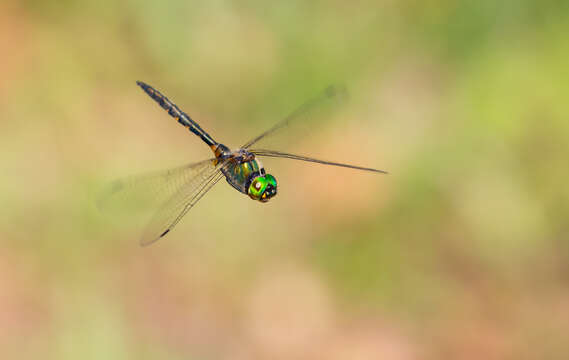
176,113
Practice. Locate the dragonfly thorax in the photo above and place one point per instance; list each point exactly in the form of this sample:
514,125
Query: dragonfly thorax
246,174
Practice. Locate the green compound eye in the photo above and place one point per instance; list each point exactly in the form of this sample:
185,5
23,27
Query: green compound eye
271,179
257,187
263,188
271,189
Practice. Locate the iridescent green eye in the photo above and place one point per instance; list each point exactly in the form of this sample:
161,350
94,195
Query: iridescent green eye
257,187
271,179
271,189
263,188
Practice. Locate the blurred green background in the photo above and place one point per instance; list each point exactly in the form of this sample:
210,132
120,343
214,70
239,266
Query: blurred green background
461,252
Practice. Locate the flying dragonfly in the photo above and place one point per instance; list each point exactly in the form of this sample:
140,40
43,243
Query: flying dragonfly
241,168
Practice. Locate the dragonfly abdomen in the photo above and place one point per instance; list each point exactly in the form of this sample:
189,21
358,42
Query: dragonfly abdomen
176,113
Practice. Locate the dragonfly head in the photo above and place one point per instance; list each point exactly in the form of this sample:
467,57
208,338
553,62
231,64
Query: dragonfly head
263,188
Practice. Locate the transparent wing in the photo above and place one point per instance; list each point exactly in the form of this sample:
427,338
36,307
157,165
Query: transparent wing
279,154
172,211
152,188
330,95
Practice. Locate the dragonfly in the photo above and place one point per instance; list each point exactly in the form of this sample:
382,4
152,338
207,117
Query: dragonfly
184,186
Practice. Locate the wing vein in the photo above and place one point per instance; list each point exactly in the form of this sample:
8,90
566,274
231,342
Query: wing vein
174,209
330,93
279,154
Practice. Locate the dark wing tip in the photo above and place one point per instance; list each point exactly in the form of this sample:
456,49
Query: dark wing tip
147,241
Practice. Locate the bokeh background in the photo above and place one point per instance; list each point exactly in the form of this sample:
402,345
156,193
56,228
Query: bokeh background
461,252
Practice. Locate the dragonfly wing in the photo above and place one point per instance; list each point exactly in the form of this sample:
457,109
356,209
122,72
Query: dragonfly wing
331,94
154,187
279,154
172,211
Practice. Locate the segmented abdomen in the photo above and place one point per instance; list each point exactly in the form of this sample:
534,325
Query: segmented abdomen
176,113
